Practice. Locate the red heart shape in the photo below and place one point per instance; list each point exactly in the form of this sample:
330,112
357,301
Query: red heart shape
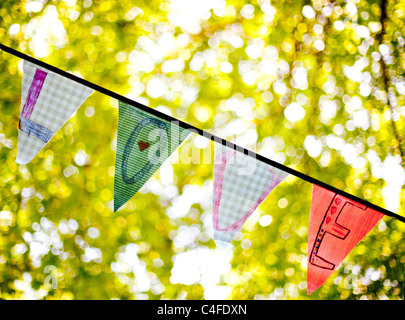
143,145
328,220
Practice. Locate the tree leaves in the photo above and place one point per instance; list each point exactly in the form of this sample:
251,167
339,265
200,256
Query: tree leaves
243,71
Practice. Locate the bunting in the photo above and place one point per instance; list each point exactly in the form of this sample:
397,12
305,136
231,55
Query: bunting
47,102
336,226
241,183
144,142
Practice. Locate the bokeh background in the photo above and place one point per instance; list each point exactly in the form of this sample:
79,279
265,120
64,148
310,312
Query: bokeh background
316,85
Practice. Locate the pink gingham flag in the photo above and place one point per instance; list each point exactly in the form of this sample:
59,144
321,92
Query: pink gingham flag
48,100
241,183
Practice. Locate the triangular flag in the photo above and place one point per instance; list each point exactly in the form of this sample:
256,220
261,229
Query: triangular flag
241,183
336,226
48,100
144,142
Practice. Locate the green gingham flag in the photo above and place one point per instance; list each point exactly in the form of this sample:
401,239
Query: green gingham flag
144,142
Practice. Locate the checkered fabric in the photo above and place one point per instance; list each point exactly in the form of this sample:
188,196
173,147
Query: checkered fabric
144,142
56,102
241,183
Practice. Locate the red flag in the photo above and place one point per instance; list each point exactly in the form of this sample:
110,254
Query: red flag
336,226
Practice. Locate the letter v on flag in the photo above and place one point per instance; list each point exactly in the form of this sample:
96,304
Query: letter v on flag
241,183
144,142
336,226
48,100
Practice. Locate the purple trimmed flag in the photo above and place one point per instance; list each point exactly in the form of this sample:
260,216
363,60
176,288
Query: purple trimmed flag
241,183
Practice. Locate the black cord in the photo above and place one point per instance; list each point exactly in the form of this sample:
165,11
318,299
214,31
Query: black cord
199,131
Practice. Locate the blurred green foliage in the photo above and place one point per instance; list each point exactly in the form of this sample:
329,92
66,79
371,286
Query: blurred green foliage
315,85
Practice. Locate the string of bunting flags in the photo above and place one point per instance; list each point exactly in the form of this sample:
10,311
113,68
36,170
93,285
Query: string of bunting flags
242,179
